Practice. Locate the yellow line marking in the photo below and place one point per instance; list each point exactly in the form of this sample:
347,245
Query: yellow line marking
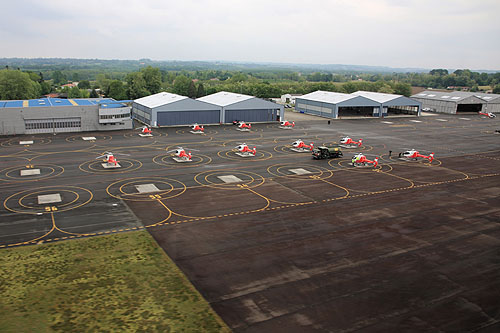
73,102
25,104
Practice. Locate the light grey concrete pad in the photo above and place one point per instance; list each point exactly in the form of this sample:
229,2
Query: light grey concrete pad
147,188
300,171
230,179
30,172
49,198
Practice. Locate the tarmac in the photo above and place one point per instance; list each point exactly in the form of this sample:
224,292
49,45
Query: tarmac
279,241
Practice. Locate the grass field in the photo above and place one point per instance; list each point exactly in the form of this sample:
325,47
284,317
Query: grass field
121,282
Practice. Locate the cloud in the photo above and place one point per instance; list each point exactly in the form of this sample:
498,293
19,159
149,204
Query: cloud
403,33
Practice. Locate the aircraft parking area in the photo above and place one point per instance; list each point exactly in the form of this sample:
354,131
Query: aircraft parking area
279,241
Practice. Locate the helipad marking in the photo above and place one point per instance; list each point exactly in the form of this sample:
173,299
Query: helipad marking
300,171
30,172
25,142
416,121
387,122
230,179
147,188
464,118
49,198
110,166
441,119
88,138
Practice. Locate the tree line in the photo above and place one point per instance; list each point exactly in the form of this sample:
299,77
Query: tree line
18,84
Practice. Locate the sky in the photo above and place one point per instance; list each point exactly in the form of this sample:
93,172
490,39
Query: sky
396,33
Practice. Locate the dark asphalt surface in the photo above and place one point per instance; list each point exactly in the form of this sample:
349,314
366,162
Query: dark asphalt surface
408,246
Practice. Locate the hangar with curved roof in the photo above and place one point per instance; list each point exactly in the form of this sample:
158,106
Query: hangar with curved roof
361,103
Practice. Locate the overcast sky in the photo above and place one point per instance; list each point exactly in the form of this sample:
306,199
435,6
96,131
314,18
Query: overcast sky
396,33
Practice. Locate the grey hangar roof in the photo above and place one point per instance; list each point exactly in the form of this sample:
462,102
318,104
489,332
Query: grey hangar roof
167,109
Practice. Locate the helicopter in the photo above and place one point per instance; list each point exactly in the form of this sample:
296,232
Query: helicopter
197,129
413,154
110,160
300,147
487,114
361,160
180,155
287,125
244,127
347,142
145,131
244,151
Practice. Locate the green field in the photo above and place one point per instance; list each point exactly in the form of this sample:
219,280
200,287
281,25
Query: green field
121,282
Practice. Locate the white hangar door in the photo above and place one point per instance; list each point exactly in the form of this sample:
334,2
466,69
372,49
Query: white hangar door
52,125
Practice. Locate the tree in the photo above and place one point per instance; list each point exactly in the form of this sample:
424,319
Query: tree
136,86
17,85
201,90
84,84
58,78
181,85
386,89
152,77
93,94
439,72
496,90
74,92
117,90
46,88
191,90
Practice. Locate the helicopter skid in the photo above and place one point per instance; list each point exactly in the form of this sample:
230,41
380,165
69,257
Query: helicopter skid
362,165
110,165
181,160
301,150
348,146
197,132
244,154
145,135
285,127
243,129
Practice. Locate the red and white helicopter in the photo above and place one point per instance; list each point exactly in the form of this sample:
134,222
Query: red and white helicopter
347,142
487,114
197,129
110,160
244,151
361,160
244,127
300,147
180,155
145,131
413,154
287,125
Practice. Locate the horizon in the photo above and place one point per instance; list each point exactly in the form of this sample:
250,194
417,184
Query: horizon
243,62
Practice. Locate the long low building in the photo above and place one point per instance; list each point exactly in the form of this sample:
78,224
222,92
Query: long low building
361,103
167,109
57,115
458,101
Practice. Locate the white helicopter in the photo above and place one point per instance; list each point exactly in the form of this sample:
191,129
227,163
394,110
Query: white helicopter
244,127
110,161
145,131
347,142
197,129
360,160
412,154
179,155
300,147
244,151
287,124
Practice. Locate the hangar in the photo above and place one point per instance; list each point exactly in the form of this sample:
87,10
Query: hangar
244,107
167,109
57,115
361,103
458,101
391,103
